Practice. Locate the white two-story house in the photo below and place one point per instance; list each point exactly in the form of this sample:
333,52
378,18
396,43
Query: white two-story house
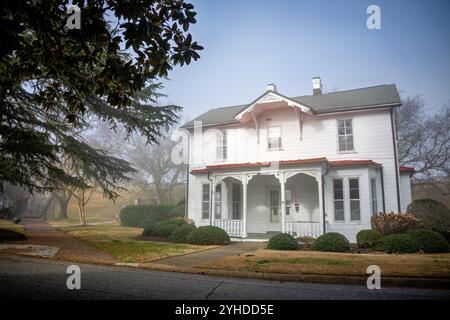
301,165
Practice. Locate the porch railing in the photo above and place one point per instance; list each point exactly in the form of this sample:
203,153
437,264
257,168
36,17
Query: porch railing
303,228
232,227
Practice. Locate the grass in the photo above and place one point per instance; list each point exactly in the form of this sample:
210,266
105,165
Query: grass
9,225
344,264
121,243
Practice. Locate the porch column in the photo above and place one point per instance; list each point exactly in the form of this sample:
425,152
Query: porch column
283,202
244,206
319,184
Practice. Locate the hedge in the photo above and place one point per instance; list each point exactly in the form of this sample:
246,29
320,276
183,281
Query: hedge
181,233
207,235
178,211
162,229
331,242
429,241
368,238
398,243
142,215
282,241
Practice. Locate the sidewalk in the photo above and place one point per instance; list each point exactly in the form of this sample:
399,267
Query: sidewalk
40,232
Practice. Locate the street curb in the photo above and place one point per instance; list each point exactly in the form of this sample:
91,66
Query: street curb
330,279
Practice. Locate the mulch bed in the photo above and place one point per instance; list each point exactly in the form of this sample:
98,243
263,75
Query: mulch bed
9,235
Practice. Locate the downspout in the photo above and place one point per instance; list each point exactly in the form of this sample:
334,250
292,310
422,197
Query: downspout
382,189
397,173
327,170
210,198
186,191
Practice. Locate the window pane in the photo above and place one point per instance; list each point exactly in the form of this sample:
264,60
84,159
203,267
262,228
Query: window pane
337,183
339,210
349,143
354,183
341,124
354,193
354,210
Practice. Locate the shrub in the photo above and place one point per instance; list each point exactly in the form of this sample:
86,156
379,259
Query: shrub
282,241
398,243
332,242
181,233
432,214
208,235
368,238
178,211
182,202
429,241
160,230
142,215
177,221
6,213
393,223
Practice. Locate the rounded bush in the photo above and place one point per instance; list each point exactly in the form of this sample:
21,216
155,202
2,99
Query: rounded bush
398,243
282,241
178,222
331,242
429,241
208,235
181,233
160,230
368,238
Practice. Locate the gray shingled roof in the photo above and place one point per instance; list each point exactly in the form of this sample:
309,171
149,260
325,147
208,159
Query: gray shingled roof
371,97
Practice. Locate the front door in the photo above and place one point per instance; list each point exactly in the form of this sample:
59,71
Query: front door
274,202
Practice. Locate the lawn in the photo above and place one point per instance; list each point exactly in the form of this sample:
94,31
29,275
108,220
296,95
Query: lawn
348,264
123,244
9,225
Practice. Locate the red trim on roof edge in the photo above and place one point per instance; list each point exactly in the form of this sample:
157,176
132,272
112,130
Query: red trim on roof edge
336,163
345,163
406,169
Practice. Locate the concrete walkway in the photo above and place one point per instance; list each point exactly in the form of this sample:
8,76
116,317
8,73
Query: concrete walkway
40,232
193,260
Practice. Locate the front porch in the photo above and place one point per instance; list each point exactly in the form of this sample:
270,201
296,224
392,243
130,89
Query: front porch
257,205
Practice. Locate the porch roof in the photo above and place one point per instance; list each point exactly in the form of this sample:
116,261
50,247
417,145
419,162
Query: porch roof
406,169
335,163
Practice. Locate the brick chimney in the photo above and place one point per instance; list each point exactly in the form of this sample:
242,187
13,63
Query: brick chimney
317,86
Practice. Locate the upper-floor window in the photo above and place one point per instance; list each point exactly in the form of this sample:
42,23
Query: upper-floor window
221,145
345,135
274,138
205,201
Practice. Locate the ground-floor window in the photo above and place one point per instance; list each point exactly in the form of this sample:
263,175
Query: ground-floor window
355,211
205,201
373,194
218,202
236,199
338,194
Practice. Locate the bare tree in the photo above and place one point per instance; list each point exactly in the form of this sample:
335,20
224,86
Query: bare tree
153,161
424,142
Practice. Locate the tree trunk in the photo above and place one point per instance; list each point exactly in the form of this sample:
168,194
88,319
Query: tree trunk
63,201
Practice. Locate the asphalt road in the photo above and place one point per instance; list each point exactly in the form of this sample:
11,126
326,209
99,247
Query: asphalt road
22,277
